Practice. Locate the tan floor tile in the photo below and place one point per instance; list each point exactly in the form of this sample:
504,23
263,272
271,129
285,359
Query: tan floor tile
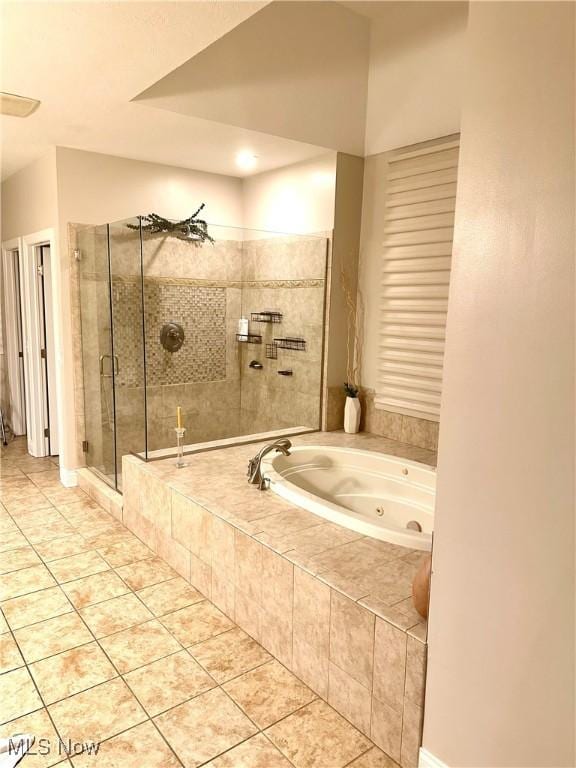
115,615
48,532
65,495
125,553
77,566
33,519
7,525
52,636
16,559
146,572
169,596
64,546
216,723
107,534
168,682
47,477
12,540
98,713
18,695
100,532
374,758
139,645
77,508
256,752
140,747
196,623
269,693
35,607
3,624
38,724
27,502
95,589
229,654
26,580
70,672
317,737
10,657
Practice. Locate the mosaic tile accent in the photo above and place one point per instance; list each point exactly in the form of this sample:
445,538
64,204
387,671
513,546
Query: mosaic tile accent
202,313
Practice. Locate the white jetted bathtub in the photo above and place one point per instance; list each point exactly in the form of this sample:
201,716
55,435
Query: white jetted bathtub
382,496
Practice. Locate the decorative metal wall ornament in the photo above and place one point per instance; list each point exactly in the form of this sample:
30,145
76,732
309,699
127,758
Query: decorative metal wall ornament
172,336
192,229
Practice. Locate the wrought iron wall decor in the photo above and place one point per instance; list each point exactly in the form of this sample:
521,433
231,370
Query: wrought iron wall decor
192,229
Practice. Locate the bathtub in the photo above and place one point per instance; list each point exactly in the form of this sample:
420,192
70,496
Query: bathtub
372,493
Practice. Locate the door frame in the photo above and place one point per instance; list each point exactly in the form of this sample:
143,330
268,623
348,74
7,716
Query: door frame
36,399
14,335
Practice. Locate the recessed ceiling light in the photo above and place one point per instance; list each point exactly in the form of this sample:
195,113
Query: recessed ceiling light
246,160
17,106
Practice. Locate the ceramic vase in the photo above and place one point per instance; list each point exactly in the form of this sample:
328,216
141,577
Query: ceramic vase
352,412
421,586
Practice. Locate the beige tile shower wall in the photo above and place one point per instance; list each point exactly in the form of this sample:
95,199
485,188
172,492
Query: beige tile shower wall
198,287
285,274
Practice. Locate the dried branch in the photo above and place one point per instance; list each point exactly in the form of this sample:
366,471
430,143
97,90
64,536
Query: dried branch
354,314
192,229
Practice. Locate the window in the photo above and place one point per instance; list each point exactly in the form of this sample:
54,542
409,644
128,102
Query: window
417,252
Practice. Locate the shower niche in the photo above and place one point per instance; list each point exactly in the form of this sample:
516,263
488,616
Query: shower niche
167,312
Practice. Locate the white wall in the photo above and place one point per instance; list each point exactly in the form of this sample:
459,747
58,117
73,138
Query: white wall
415,84
500,688
296,199
29,199
95,188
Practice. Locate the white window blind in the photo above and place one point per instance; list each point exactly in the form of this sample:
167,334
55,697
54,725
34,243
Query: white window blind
417,252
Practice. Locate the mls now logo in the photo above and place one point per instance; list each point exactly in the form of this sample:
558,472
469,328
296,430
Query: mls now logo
18,746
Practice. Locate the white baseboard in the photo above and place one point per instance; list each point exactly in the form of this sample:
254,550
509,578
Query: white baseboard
428,760
68,477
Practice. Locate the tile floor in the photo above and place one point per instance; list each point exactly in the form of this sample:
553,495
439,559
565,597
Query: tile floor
101,642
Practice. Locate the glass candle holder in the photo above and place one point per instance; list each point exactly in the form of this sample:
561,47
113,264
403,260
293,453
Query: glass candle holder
180,432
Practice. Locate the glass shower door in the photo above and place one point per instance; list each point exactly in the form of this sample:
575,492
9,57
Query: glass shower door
127,311
98,365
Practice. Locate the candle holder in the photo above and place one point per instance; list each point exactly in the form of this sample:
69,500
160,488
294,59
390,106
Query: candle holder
180,432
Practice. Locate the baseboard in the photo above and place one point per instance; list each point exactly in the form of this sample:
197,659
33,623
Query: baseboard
68,477
428,760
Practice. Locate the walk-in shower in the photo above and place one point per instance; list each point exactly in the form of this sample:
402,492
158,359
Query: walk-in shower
231,332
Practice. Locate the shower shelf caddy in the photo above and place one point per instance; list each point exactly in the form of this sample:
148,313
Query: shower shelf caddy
249,338
291,342
266,317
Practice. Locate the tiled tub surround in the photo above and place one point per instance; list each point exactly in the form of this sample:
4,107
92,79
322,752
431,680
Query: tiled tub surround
102,641
332,606
421,433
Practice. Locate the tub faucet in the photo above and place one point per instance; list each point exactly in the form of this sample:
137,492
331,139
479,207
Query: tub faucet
254,465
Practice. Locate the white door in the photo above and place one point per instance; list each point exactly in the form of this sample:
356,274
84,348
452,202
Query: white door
44,272
13,398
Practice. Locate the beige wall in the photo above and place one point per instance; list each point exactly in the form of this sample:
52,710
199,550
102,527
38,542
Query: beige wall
94,188
416,75
297,199
294,69
29,200
501,664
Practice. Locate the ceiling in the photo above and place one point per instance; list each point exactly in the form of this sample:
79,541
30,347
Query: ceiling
87,61
294,69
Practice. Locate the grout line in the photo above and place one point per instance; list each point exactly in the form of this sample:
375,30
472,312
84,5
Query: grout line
121,675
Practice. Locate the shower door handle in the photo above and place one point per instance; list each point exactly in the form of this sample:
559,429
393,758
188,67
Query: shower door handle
116,366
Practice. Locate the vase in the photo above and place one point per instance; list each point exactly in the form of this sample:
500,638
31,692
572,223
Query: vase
352,412
421,586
